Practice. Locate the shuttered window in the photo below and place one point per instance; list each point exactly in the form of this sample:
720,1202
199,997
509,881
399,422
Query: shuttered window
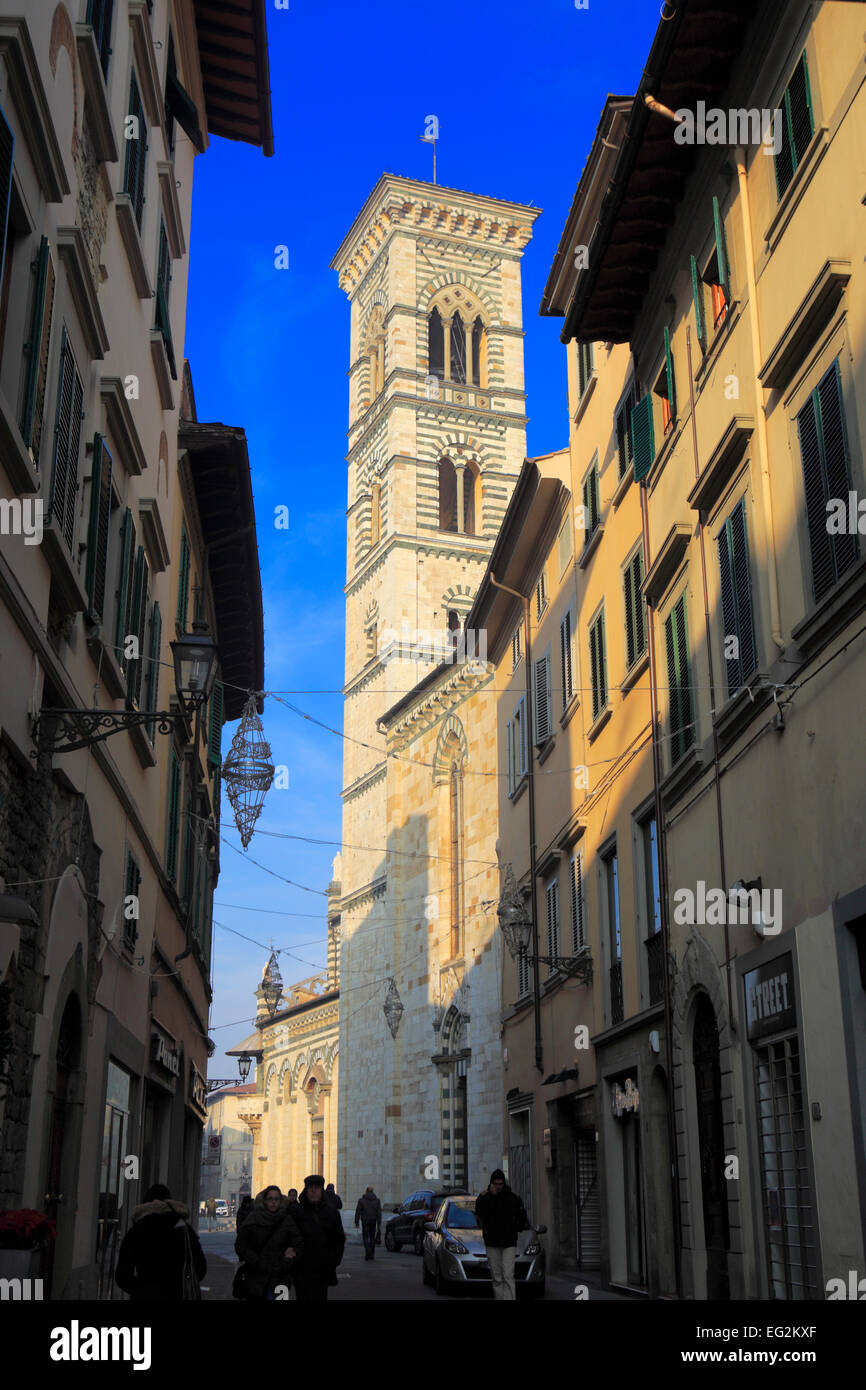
566,651
137,626
670,381
590,502
215,724
131,886
541,694
584,365
598,665
523,975
151,689
798,125
676,644
541,594
698,299
99,17
173,817
125,587
183,580
509,755
826,475
622,427
67,438
736,599
516,745
98,529
189,843
515,647
163,282
551,895
578,921
7,150
38,347
643,437
136,152
723,277
635,609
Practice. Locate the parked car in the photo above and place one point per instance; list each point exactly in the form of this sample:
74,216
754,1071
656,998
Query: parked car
406,1226
453,1254
222,1207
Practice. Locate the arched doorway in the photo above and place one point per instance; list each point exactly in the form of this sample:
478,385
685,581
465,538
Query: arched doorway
455,1118
711,1147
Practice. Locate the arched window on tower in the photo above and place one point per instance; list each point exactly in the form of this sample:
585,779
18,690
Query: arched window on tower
435,346
471,498
376,514
453,627
455,841
479,353
458,349
447,496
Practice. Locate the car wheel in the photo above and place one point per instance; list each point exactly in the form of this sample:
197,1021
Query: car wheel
418,1242
390,1242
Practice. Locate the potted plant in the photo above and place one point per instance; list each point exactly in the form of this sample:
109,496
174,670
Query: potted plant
24,1237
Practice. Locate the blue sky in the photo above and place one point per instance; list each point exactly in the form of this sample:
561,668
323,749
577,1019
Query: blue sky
518,91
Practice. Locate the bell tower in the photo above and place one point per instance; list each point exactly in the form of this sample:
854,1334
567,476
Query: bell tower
436,440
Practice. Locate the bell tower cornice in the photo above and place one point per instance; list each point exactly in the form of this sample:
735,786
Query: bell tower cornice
416,207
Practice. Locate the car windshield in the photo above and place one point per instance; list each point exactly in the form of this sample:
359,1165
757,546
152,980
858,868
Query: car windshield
461,1218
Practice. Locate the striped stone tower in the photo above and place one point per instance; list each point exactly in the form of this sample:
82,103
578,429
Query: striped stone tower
436,441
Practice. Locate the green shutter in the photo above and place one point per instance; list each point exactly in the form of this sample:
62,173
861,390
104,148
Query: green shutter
127,550
597,663
697,296
183,580
97,534
152,687
798,125
639,624
99,16
172,818
137,611
635,635
826,474
67,439
136,152
643,437
721,250
676,643
737,597
7,151
37,352
669,375
215,725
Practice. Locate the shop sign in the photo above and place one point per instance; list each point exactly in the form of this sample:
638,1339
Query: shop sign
770,1006
197,1089
625,1099
165,1055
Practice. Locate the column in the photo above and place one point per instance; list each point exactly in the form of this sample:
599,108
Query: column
446,345
469,328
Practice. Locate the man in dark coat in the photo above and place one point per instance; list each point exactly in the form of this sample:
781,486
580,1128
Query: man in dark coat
369,1213
501,1216
331,1195
244,1210
321,1229
268,1243
152,1254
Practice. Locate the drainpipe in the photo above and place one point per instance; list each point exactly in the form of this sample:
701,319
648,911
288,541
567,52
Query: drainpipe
760,401
530,772
663,912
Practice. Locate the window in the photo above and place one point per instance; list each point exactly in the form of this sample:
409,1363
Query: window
453,628
635,608
677,648
578,914
516,642
38,346
458,349
739,633
163,281
643,437
798,125
479,353
67,439
179,105
541,594
455,825
515,732
584,366
435,345
98,529
564,545
622,428
173,817
447,496
551,898
717,275
542,701
611,879
125,583
136,151
133,666
130,890
471,489
598,665
652,897
591,508
826,476
99,18
523,975
151,689
566,650
375,514
183,580
665,388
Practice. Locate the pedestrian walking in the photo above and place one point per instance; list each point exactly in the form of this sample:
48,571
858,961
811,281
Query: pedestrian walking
292,1195
160,1259
268,1244
321,1229
244,1210
332,1196
501,1216
368,1213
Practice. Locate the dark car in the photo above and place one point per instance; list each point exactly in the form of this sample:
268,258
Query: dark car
454,1257
406,1226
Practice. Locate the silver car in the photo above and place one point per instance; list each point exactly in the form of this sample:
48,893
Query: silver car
453,1254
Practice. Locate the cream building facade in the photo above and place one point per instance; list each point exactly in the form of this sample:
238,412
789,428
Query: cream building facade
436,441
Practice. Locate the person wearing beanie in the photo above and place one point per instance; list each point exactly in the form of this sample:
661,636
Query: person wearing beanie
157,1250
321,1229
501,1216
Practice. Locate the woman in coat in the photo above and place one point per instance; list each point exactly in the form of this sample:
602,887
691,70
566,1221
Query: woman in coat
322,1233
268,1242
153,1252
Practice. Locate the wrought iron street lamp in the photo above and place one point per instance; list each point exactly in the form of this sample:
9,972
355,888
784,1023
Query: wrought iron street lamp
244,1063
516,926
194,655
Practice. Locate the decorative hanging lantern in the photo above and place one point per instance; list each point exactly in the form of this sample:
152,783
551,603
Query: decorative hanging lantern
272,984
513,918
247,771
393,1007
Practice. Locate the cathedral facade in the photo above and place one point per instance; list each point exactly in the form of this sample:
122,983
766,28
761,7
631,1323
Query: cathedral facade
436,441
